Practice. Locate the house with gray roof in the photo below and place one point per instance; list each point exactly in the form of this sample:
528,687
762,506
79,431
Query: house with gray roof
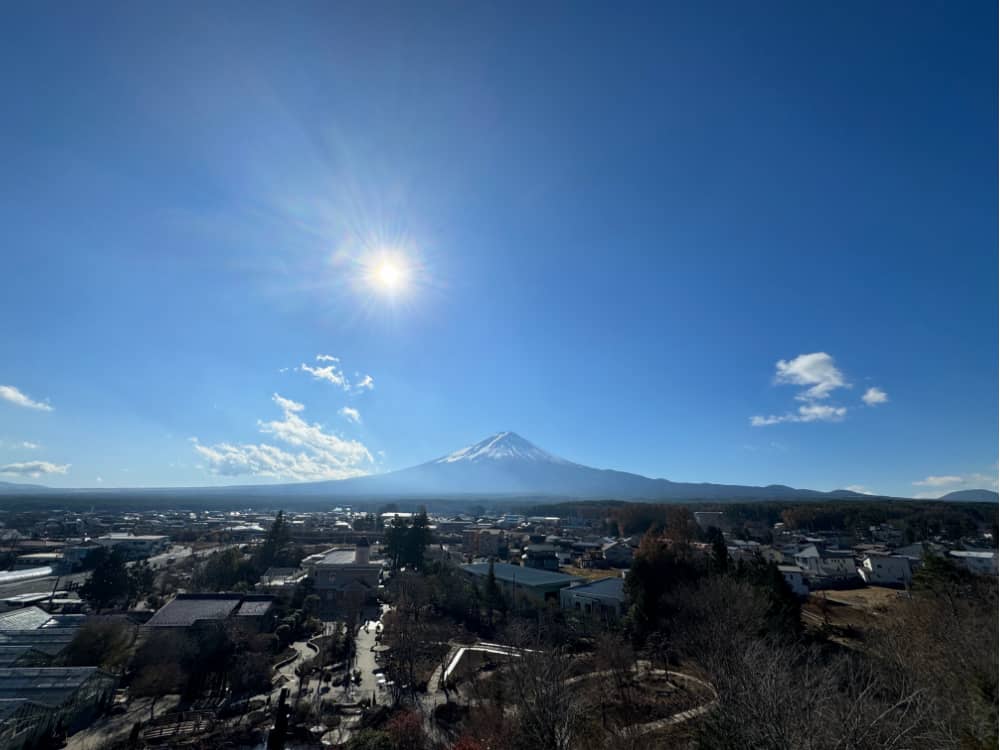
603,599
517,581
196,610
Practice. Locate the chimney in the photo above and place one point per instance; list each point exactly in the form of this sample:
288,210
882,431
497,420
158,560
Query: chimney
362,551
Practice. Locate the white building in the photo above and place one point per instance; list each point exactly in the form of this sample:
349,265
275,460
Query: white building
981,562
885,570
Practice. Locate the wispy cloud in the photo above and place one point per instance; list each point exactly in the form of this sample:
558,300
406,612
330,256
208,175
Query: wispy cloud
333,373
330,373
805,413
941,481
12,395
875,396
321,455
351,415
34,468
26,445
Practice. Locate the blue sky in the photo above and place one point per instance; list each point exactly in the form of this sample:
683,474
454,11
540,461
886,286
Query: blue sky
623,235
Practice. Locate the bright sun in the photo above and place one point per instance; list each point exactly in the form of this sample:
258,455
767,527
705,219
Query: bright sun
388,275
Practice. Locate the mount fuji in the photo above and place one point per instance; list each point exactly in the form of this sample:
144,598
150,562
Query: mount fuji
507,464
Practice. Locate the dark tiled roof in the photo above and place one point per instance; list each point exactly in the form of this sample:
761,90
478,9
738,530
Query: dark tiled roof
187,609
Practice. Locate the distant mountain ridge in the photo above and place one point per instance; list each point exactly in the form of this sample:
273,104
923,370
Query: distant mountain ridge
972,496
501,465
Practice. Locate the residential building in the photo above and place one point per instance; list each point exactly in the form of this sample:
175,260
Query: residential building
603,599
617,554
885,570
540,556
826,563
254,611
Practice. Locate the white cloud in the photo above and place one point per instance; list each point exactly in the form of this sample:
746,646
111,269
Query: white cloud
14,396
816,370
34,468
875,396
940,481
321,455
326,358
351,415
27,444
805,413
366,383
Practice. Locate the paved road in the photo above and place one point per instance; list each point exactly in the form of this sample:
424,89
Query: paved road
365,661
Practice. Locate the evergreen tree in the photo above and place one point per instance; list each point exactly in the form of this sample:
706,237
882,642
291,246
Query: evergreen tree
492,594
108,583
278,537
141,578
720,554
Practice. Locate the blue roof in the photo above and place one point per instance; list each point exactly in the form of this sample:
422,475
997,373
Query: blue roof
523,576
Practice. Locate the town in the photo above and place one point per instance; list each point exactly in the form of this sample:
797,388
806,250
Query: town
565,625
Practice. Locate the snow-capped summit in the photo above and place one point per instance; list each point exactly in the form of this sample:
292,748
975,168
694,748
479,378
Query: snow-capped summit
503,446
